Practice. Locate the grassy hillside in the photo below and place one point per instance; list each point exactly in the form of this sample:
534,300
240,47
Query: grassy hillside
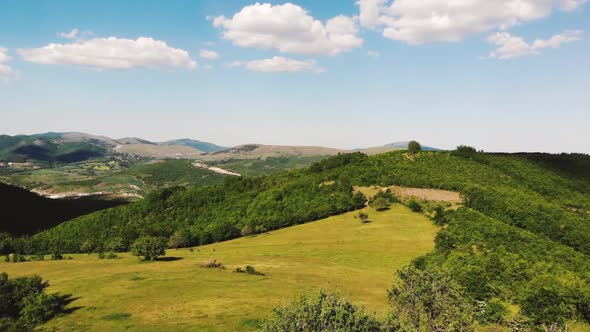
24,212
529,215
336,253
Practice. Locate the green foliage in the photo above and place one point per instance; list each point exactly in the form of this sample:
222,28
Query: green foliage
320,311
429,300
24,303
492,312
249,270
381,204
414,147
464,151
414,205
363,216
341,159
149,247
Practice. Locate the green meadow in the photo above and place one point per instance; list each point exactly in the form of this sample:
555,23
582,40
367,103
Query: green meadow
337,253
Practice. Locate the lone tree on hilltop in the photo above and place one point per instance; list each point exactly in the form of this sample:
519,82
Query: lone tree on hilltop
149,247
414,147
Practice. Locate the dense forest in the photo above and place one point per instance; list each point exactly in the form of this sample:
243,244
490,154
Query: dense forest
522,237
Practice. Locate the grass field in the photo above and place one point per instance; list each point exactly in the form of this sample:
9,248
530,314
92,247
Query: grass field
337,253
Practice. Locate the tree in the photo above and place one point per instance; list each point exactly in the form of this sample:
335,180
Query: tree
87,246
363,216
414,147
320,312
414,206
429,301
381,204
149,247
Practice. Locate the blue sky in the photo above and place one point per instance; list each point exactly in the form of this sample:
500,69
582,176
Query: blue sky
306,73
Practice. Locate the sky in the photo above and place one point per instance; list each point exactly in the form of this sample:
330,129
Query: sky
503,75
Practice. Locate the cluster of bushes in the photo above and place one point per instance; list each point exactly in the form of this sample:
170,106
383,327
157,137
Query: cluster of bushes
25,304
422,300
382,200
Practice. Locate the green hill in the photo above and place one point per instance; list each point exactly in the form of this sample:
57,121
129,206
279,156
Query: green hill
337,253
24,212
522,238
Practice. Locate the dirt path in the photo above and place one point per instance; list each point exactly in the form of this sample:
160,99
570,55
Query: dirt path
215,169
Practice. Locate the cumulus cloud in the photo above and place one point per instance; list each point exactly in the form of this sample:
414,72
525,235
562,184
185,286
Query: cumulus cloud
278,64
6,71
289,29
510,46
207,54
418,22
111,53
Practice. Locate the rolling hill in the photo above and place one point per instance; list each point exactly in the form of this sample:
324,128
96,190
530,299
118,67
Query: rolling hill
522,215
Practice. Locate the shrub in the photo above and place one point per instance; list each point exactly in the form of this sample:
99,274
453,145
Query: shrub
149,247
108,255
87,247
414,205
363,216
248,270
320,311
247,230
381,204
57,257
429,300
24,303
116,244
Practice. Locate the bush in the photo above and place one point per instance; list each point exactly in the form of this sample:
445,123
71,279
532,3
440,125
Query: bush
24,303
108,255
429,300
363,216
320,312
414,205
248,270
381,204
149,247
464,151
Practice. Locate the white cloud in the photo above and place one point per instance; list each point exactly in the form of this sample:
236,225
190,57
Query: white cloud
6,71
418,22
373,54
111,53
510,46
278,64
289,29
207,54
70,35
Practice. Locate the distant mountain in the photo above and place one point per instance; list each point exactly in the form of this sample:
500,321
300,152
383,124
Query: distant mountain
201,146
159,151
133,140
259,151
24,212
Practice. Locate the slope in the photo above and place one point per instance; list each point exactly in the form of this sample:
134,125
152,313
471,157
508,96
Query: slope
337,253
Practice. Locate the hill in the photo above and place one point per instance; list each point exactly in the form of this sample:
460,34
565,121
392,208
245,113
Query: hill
24,212
201,146
258,151
158,151
337,253
528,216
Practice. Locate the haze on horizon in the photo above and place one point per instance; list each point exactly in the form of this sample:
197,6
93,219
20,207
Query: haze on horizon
346,75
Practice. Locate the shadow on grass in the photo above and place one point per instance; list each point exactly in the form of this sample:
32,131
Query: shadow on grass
168,259
63,301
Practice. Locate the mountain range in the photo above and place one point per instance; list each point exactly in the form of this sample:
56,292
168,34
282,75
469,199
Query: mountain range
55,147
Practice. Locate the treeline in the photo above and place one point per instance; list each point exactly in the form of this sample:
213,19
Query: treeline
200,215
